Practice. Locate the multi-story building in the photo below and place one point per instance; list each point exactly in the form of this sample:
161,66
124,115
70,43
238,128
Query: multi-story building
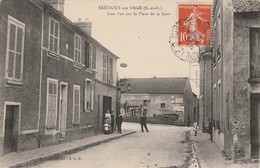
105,84
47,75
158,96
236,84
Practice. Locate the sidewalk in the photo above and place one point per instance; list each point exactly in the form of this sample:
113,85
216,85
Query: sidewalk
26,158
209,155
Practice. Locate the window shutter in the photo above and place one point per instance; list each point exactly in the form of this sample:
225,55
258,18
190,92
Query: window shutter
19,50
11,56
92,96
90,55
10,72
52,105
15,51
12,36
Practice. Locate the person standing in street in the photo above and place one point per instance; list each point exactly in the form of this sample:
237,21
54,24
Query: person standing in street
119,121
143,121
112,122
195,128
107,122
210,129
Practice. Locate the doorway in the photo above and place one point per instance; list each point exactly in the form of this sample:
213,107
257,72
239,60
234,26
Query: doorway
63,109
107,105
255,124
11,128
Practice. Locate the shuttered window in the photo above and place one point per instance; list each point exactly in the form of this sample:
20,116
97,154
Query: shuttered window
52,103
77,48
76,104
89,55
54,29
105,68
15,48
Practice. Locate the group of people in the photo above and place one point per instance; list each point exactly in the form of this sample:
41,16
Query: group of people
109,123
209,129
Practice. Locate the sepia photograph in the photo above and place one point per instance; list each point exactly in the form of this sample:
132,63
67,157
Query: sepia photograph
129,83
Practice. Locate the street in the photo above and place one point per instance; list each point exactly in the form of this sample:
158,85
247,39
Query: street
162,146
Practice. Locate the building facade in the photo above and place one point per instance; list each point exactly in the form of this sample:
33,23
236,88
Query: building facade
236,78
106,85
48,76
205,97
158,96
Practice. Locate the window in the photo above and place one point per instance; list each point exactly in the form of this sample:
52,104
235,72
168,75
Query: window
254,53
15,48
54,35
162,105
178,100
104,68
89,55
76,104
77,48
52,97
89,94
145,102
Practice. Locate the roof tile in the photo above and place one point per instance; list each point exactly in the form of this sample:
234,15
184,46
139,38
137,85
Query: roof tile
246,5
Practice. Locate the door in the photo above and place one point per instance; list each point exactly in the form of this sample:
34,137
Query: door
11,128
254,125
63,108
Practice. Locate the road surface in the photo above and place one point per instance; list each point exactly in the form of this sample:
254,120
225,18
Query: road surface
163,146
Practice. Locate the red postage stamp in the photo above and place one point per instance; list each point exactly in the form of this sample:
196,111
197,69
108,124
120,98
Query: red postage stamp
194,24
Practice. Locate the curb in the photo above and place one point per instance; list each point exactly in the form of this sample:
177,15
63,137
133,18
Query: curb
194,160
58,155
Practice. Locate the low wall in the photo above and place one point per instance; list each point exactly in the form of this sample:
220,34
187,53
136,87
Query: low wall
155,120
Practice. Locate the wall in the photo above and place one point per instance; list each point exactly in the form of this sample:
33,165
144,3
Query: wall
228,80
205,88
27,93
63,68
233,134
218,84
154,103
241,116
101,90
99,65
188,105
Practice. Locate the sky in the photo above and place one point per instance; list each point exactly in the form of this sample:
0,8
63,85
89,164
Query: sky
141,41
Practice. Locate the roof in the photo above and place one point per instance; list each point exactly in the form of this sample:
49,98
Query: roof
246,5
156,85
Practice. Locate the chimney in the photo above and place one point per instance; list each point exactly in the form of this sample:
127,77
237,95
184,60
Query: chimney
84,25
57,4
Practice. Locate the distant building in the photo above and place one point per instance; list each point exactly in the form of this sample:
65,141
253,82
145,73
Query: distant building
48,76
158,96
236,78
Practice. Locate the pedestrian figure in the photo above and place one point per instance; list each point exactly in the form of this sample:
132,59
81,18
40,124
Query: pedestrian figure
107,122
195,128
119,120
210,129
112,122
143,120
